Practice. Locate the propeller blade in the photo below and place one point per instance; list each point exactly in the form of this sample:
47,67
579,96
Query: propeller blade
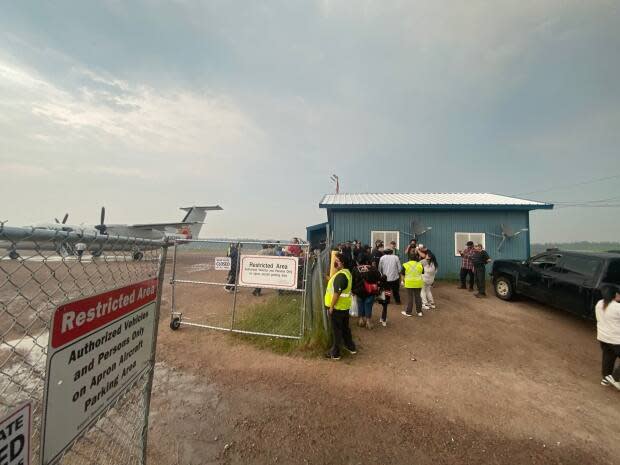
56,219
65,218
102,215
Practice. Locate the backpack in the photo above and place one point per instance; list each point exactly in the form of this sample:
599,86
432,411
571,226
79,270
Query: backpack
371,288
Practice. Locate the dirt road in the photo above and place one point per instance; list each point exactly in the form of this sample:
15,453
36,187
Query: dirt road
472,382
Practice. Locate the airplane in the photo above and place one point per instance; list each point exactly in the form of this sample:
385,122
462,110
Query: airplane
189,227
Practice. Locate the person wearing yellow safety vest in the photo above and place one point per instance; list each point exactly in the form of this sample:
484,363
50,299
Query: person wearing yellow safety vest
338,300
412,278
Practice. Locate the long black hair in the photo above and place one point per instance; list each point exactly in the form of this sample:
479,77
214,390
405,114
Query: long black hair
430,256
609,294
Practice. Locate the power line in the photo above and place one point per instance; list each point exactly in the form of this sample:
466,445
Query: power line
584,202
567,186
588,206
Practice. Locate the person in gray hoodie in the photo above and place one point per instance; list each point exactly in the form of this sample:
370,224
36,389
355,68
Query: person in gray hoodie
429,262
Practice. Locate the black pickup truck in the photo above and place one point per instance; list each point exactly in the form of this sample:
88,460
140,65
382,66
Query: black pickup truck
566,280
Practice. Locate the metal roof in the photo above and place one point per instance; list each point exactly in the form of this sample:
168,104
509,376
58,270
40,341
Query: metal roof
317,227
429,200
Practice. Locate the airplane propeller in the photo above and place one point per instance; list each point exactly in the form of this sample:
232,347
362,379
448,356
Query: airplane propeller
64,219
101,227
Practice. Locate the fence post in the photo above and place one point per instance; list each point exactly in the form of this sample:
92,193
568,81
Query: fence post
321,294
149,386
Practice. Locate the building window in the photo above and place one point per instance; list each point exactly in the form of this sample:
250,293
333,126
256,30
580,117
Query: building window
461,239
385,236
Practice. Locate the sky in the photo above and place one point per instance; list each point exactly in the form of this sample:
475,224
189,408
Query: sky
147,106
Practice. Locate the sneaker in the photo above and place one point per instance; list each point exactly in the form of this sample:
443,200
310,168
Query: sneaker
610,379
425,307
406,314
351,351
433,306
383,323
604,382
369,324
420,314
332,357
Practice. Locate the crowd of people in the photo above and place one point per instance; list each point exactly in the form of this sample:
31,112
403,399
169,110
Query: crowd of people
364,276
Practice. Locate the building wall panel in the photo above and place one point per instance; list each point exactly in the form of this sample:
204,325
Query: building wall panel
358,224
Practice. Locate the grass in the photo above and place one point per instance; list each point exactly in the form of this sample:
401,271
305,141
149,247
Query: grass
280,314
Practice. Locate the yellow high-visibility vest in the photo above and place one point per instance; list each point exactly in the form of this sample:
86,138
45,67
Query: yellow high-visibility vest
344,302
413,274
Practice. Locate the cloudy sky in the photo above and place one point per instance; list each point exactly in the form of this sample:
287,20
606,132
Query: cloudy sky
147,106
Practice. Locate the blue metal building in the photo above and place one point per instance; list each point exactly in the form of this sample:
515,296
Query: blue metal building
443,222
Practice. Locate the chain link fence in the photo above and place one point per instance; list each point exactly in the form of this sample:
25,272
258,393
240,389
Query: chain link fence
41,269
209,291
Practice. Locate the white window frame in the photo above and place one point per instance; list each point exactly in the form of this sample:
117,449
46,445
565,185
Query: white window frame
386,244
469,238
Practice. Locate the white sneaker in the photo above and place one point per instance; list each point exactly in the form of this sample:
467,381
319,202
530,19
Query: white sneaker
406,314
604,382
433,306
420,314
425,307
613,382
383,323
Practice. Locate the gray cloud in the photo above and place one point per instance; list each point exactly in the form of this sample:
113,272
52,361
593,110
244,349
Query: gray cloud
145,106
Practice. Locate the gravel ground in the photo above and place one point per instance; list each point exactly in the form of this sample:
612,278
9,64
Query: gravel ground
476,381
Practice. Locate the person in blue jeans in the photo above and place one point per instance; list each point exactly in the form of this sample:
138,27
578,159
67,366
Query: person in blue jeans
366,278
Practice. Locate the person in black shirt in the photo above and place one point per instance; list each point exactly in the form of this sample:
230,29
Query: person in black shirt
479,259
339,315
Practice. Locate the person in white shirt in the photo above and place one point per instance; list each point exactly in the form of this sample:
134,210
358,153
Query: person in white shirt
429,262
389,266
608,333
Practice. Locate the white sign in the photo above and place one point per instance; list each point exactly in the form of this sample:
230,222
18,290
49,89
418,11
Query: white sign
268,271
98,347
222,263
15,437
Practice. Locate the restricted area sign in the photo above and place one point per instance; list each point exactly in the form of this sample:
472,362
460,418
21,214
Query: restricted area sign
222,263
98,347
15,437
268,271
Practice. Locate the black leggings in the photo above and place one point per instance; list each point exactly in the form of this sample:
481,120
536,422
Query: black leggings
464,273
610,353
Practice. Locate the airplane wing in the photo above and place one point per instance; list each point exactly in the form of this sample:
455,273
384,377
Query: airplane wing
149,226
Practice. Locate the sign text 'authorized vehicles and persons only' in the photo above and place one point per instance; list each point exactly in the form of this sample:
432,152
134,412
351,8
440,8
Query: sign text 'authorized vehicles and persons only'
98,347
266,271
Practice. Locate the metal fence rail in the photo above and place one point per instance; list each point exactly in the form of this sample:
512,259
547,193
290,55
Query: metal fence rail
40,270
215,299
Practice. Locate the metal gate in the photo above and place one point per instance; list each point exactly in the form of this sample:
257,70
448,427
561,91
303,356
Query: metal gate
215,297
39,271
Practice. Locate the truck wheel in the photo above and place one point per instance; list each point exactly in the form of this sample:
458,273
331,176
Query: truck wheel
175,324
504,288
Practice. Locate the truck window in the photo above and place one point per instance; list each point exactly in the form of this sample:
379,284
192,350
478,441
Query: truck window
545,262
613,273
586,267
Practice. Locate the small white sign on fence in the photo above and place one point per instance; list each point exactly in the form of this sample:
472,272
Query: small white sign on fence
269,272
222,263
98,347
15,436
